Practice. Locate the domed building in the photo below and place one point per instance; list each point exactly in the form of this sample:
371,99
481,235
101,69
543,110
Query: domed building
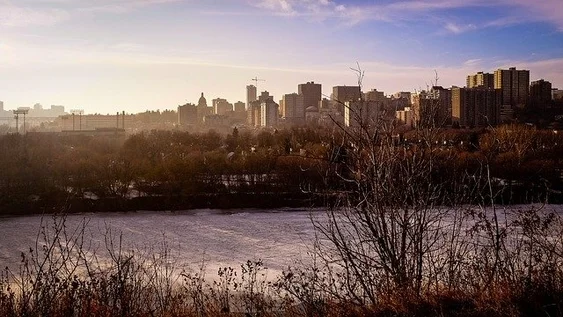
312,114
202,109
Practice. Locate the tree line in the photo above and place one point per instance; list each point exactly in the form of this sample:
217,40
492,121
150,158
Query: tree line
47,170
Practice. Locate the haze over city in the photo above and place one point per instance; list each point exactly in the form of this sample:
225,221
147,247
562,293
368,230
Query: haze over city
133,55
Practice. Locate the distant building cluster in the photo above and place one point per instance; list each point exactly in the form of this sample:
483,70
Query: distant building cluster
488,99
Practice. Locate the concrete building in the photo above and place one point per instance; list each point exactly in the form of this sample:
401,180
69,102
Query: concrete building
485,80
239,106
362,113
96,121
250,94
269,113
311,93
187,114
343,94
253,114
540,94
441,115
293,108
221,106
476,107
402,95
405,116
514,85
374,95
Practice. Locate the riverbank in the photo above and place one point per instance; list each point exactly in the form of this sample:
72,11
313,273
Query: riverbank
224,201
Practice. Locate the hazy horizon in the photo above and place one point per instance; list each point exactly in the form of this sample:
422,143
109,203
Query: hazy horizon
134,55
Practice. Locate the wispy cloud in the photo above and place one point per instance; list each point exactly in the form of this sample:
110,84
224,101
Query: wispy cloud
458,29
352,14
51,12
13,16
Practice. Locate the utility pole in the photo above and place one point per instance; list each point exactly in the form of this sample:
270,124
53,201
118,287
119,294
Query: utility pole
17,115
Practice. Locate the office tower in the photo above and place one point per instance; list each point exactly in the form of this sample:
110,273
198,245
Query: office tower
476,107
441,113
240,106
402,95
540,94
362,113
221,106
265,96
250,94
293,108
514,85
311,94
253,114
187,114
269,113
486,80
374,95
342,94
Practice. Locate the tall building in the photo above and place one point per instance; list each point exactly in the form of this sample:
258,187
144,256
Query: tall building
253,115
442,100
265,96
486,80
402,95
362,113
540,94
514,85
476,107
374,95
221,106
240,106
311,94
250,94
187,114
269,113
342,94
293,108
1,106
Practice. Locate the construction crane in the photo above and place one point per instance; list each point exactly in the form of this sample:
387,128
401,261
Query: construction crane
256,80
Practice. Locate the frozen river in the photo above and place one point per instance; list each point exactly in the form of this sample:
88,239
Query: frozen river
279,238
219,239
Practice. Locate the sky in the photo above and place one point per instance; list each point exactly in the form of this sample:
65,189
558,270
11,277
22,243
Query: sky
105,56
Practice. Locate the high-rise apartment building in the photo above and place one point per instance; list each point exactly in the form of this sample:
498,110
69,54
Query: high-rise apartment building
375,95
187,114
514,85
343,94
250,94
540,94
312,94
476,107
221,106
362,113
486,80
293,108
269,113
240,106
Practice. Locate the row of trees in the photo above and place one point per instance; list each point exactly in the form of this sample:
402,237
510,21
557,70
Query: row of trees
50,167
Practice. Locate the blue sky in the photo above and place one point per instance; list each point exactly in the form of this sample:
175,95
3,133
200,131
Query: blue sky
133,55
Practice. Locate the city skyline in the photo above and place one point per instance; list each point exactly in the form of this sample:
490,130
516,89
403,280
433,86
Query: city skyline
137,55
